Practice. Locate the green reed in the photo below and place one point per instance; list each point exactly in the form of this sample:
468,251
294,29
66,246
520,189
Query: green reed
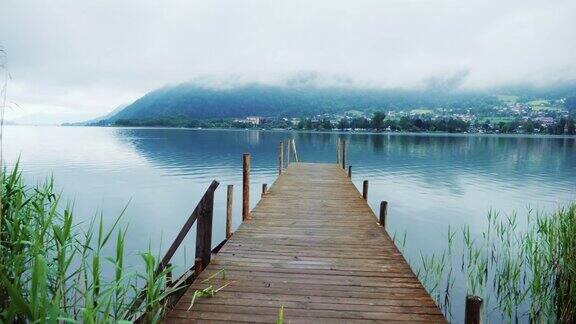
51,268
521,274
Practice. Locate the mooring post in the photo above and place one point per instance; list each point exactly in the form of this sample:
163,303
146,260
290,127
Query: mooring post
264,189
338,151
365,190
245,186
350,171
473,310
204,228
343,154
229,200
287,153
294,151
383,213
280,158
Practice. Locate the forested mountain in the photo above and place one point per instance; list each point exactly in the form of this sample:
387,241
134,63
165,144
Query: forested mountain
195,102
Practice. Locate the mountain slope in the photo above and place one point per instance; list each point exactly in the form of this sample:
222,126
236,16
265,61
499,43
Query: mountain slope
196,102
98,120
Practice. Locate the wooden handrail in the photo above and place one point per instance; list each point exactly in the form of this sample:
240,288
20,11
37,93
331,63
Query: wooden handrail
203,212
205,206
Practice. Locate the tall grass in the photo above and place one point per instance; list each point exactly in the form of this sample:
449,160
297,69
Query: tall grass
52,268
522,275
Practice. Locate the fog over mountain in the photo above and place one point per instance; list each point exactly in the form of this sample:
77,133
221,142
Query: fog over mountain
78,59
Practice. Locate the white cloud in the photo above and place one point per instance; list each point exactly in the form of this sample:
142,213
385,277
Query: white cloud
89,56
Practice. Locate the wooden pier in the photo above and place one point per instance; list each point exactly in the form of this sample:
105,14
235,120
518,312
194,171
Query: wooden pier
313,247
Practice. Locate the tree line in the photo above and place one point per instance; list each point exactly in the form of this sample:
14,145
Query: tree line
378,122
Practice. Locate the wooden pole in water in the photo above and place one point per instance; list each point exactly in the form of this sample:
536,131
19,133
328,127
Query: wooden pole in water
343,154
245,186
365,190
287,153
473,312
229,199
280,158
338,151
264,189
350,171
294,151
383,213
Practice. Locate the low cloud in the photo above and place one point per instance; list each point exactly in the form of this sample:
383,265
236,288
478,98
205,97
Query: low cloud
86,57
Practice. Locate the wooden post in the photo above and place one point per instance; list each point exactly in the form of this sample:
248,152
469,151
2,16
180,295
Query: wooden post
264,189
287,153
294,151
343,154
365,190
197,266
350,171
229,200
280,158
199,211
383,213
338,151
245,186
204,230
473,312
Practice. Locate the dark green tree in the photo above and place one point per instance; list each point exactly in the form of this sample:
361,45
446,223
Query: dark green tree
343,124
529,127
571,127
378,120
405,124
326,124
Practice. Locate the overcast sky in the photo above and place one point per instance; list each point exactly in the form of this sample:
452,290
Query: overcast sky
73,59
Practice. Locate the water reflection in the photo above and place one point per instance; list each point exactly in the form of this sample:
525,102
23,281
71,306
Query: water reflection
430,181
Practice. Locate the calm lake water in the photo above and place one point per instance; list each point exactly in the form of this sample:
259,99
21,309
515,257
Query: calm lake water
430,181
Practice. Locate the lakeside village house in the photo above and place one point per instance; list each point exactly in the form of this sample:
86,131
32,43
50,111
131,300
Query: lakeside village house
254,120
258,120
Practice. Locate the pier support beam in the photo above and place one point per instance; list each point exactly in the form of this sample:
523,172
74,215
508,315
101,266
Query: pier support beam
383,213
204,230
245,186
287,153
197,266
295,154
280,158
264,189
343,154
229,200
473,311
350,171
338,151
365,190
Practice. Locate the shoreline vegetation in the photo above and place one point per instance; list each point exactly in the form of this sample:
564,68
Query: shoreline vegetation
526,275
335,131
54,270
378,123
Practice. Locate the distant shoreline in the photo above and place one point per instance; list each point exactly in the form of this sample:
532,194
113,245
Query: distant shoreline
352,132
